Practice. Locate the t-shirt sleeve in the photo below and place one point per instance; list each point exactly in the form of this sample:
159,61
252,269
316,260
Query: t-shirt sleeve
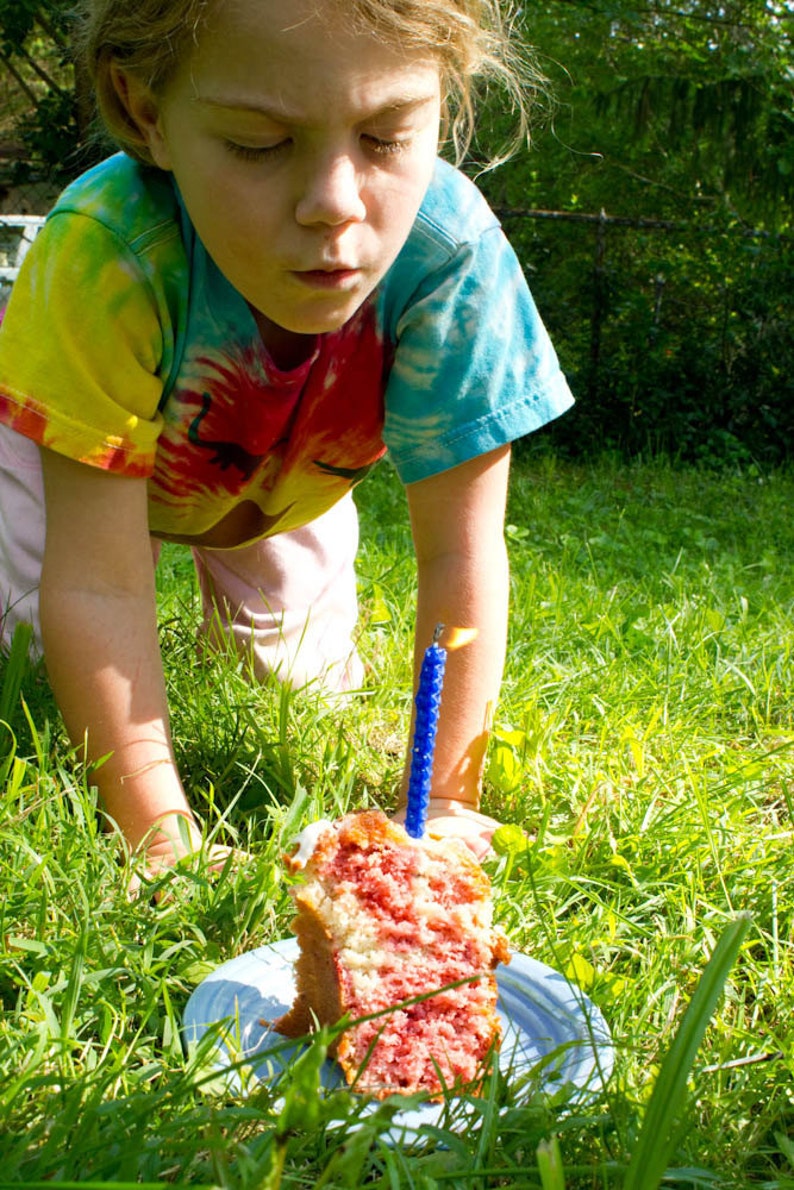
474,367
80,348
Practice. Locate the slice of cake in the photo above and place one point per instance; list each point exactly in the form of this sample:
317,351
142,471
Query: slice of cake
383,918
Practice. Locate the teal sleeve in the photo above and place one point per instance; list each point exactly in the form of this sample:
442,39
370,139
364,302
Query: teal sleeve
474,367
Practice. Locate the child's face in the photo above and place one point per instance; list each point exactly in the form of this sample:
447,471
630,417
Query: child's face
302,152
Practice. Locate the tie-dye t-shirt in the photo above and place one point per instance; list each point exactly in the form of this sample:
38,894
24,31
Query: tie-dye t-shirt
124,347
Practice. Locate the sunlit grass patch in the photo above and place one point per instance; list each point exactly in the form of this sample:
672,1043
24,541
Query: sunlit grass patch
645,740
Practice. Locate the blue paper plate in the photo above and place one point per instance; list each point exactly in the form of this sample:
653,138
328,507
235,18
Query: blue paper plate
553,1035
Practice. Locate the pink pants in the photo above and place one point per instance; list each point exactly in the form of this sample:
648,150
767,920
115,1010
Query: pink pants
288,602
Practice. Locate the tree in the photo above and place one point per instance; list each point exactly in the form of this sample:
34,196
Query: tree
35,54
670,107
674,116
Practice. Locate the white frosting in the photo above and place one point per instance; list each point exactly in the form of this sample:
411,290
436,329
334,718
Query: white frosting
307,840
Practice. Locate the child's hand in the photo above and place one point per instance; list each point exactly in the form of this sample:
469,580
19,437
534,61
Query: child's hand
178,842
449,819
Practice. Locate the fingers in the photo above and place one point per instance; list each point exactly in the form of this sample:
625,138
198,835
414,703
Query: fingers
453,820
472,828
152,868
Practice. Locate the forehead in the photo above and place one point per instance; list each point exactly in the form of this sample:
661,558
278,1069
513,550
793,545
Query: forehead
303,56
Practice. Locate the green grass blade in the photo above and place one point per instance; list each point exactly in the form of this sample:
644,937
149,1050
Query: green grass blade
75,983
16,666
550,1167
649,1160
54,1185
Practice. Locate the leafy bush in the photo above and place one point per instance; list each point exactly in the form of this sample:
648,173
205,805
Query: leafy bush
675,342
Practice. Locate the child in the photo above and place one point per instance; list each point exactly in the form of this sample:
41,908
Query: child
220,330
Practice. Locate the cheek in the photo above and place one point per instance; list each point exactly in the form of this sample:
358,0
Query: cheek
238,227
402,199
212,190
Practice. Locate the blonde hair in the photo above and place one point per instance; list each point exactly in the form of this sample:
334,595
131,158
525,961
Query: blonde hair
473,40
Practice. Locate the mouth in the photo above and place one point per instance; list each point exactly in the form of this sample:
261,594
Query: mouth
329,277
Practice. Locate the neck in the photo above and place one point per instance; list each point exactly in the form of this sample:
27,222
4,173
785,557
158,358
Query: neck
287,349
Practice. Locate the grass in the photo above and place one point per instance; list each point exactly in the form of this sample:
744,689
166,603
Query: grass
644,737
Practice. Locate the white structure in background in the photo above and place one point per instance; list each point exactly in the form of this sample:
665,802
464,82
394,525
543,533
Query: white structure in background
17,233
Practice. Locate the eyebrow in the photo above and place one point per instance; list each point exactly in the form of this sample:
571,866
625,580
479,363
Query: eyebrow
397,106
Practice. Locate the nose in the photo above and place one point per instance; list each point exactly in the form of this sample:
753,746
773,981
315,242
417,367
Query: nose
332,193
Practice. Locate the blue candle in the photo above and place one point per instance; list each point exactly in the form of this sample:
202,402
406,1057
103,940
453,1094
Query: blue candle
428,700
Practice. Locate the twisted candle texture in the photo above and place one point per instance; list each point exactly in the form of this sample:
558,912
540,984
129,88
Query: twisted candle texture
428,699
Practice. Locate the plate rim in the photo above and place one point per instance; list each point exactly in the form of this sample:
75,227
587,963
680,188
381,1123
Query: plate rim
587,1074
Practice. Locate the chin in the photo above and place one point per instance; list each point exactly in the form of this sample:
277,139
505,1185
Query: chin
325,324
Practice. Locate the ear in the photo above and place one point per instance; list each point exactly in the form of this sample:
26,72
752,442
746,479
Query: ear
143,109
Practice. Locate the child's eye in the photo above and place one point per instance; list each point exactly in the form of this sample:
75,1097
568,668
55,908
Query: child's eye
255,152
384,146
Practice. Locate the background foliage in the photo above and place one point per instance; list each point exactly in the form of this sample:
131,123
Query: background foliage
675,117
667,156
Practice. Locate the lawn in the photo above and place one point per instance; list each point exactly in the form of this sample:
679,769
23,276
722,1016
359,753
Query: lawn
644,739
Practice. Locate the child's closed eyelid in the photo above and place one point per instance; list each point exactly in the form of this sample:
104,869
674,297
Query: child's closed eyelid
390,140
386,145
256,152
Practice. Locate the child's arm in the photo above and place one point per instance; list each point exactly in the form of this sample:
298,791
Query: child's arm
98,616
458,527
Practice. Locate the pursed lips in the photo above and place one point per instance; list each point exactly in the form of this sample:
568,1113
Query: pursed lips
329,266
328,276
